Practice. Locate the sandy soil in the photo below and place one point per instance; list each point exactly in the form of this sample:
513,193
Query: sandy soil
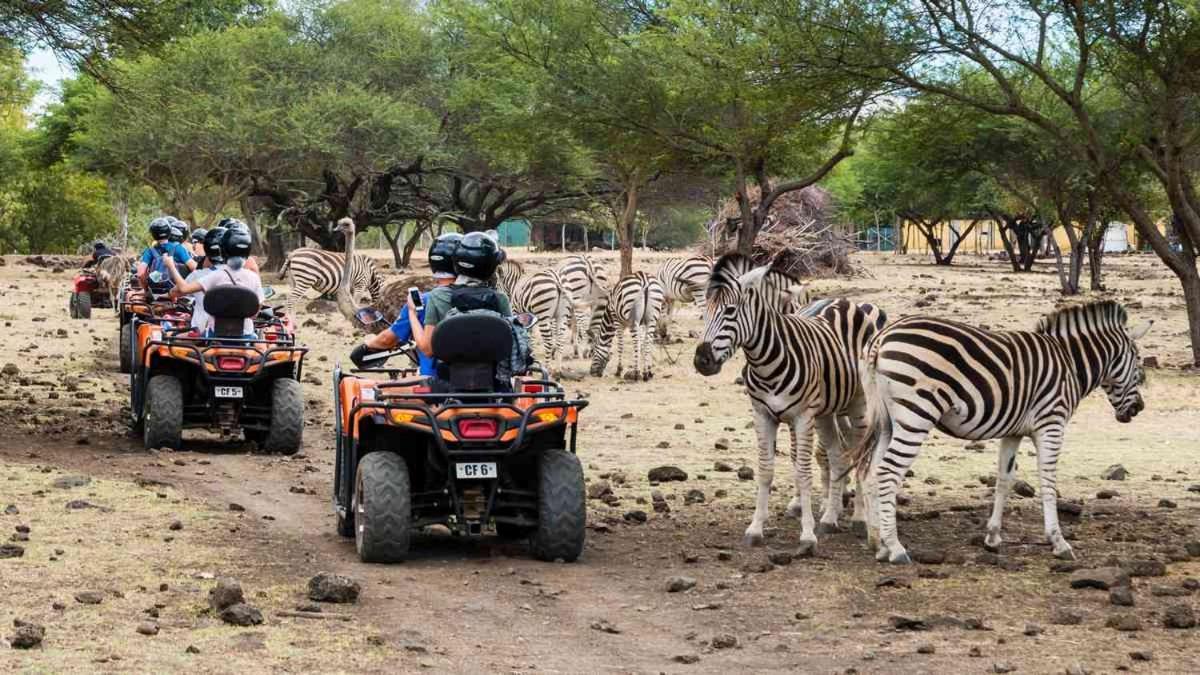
482,606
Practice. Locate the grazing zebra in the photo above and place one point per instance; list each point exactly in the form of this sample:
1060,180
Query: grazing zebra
543,295
683,280
633,303
587,284
507,274
923,373
111,272
310,269
800,370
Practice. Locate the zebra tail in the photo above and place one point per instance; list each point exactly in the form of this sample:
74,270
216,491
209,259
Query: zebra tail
861,455
287,265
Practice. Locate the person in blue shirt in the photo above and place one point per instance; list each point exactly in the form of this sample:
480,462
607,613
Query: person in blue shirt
151,271
401,330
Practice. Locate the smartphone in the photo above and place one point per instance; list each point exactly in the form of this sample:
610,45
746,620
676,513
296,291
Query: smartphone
415,295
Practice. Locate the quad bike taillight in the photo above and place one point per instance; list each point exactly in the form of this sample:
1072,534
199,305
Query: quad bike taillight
231,363
477,429
531,388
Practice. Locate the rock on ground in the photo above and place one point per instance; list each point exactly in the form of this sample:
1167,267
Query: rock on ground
1115,472
1179,616
226,593
677,584
666,474
1103,578
89,597
327,587
241,615
27,636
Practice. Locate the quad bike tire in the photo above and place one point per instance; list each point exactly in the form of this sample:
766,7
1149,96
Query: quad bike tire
562,508
83,305
382,508
287,418
73,305
163,421
125,347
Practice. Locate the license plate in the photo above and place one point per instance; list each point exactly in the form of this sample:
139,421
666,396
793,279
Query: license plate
228,392
468,470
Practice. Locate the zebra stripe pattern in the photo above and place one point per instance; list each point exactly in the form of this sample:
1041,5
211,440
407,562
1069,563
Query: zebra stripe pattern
587,285
683,280
310,269
634,304
800,370
924,373
543,295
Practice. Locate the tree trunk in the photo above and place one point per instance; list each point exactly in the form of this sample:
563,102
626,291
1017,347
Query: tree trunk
410,245
393,241
1191,297
1095,247
246,204
949,258
276,249
625,228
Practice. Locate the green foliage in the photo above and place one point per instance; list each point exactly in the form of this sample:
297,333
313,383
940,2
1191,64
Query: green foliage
53,211
676,227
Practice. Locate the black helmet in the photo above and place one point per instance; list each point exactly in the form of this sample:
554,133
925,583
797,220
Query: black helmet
441,254
178,231
99,246
212,245
232,224
198,235
235,243
476,256
160,228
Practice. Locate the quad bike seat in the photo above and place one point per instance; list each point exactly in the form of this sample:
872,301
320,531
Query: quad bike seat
468,347
230,306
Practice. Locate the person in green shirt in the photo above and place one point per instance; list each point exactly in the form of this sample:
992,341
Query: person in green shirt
475,261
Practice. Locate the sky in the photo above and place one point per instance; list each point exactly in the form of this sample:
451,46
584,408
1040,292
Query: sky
43,66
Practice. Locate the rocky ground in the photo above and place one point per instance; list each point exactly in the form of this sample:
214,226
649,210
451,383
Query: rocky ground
110,555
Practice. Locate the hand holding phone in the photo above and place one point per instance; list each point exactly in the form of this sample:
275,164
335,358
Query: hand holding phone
414,298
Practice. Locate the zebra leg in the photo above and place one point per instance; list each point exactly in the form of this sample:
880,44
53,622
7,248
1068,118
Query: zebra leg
802,440
765,428
830,460
620,348
853,428
647,352
639,350
900,453
1049,444
1006,466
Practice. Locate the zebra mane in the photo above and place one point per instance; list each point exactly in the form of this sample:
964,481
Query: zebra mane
1083,319
730,266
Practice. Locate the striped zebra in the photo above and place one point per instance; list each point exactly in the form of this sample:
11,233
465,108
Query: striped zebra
633,303
800,370
587,284
683,280
309,269
923,373
543,295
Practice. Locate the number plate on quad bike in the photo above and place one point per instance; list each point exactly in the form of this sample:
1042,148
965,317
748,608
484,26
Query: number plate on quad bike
468,470
227,392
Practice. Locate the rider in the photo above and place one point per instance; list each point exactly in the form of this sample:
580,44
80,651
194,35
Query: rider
212,258
401,331
100,251
233,223
155,256
475,261
196,245
235,248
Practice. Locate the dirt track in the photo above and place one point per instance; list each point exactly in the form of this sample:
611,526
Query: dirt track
476,606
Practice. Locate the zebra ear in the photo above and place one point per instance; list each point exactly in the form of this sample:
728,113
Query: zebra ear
799,294
1137,332
753,279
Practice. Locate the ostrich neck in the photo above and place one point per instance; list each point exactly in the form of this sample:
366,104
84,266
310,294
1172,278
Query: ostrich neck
345,300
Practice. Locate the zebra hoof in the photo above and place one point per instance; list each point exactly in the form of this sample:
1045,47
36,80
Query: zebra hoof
753,540
828,528
859,528
1066,554
900,559
806,549
881,554
991,548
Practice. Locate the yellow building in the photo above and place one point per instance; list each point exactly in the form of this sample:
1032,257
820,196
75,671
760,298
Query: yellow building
984,238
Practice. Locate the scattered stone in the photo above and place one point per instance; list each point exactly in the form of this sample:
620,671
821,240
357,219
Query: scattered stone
327,587
666,474
10,369
147,628
27,636
758,567
1103,578
12,510
599,489
678,584
192,649
1142,655
1165,503
724,641
236,507
929,557
1077,669
1145,568
1115,472
1170,591
1062,616
988,481
1003,667
68,482
11,551
175,525
1033,630
781,558
975,445
79,504
663,445
226,593
1023,489
637,516
89,597
1069,510
898,622
686,659
1107,494
1179,616
892,582
926,649
975,652
1124,622
241,614
722,466
745,473
605,627
1121,596
1192,548
694,497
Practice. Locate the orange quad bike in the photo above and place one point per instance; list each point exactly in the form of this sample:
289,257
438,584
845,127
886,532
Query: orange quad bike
224,381
475,452
133,302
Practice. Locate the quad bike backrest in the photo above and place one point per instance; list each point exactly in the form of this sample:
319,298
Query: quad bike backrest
469,346
230,306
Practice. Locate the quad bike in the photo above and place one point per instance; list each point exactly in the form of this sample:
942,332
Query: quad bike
227,381
87,292
414,451
134,302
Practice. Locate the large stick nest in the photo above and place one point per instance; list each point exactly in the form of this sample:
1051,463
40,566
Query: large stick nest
800,236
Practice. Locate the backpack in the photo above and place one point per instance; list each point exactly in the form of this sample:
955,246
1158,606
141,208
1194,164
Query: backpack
157,263
484,300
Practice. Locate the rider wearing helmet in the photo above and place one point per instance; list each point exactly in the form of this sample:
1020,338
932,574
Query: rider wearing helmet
100,251
178,230
475,260
401,330
212,258
196,241
235,224
152,273
234,248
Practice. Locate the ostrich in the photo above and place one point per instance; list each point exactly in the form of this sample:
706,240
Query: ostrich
345,296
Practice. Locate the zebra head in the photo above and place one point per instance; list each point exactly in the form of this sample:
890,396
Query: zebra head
1124,375
601,328
737,293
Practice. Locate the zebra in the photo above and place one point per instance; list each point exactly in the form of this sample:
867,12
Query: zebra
309,269
802,370
683,279
924,373
634,303
587,284
112,272
543,295
507,274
